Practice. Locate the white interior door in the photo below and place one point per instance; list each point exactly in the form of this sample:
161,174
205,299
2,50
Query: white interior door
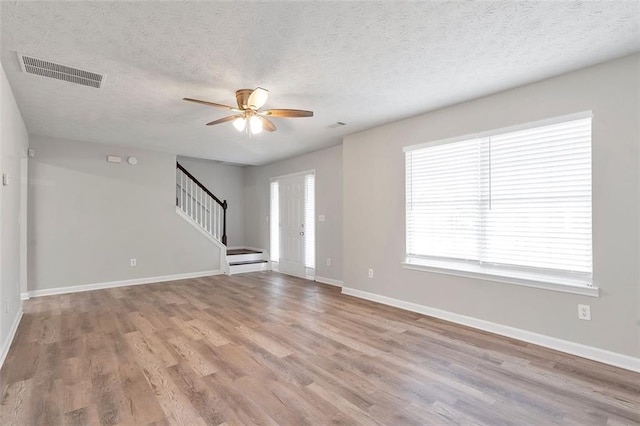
292,229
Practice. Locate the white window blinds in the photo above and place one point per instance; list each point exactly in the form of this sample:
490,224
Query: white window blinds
517,201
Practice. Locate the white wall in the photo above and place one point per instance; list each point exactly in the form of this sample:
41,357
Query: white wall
374,213
13,144
328,167
227,183
88,218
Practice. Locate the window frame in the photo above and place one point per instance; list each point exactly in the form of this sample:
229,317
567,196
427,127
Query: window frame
498,273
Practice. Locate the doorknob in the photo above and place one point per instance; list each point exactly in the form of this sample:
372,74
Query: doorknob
301,232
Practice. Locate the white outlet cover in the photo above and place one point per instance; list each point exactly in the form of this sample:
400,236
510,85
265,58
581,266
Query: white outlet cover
321,218
584,312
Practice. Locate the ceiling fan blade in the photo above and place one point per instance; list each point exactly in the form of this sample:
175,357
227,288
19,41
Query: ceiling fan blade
210,104
257,98
225,119
267,124
291,113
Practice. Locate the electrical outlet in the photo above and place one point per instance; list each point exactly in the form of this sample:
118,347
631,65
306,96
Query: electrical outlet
328,262
370,273
584,312
134,262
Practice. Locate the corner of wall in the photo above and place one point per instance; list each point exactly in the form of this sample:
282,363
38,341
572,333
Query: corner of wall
14,140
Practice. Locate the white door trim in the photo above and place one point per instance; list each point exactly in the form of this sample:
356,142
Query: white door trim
309,272
306,172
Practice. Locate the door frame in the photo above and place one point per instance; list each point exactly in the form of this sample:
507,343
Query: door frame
309,273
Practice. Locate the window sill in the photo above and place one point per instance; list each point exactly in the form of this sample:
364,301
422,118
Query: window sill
509,277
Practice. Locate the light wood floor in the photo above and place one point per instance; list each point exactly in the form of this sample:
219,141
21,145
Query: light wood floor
264,348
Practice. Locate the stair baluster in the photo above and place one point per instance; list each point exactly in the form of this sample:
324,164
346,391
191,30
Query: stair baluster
199,203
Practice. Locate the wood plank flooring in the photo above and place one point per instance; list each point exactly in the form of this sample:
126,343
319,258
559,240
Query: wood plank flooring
265,348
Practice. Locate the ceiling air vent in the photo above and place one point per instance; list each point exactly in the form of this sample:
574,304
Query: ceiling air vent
60,72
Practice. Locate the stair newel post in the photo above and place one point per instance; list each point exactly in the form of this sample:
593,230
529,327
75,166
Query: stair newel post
224,222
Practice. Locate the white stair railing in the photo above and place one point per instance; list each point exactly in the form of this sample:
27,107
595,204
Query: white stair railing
197,202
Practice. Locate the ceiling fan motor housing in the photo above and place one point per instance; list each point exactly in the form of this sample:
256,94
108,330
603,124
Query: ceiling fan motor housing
242,97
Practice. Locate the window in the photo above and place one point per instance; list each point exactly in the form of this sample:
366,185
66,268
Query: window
274,222
309,221
512,203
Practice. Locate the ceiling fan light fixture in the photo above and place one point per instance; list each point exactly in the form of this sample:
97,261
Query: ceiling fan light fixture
240,124
255,125
250,118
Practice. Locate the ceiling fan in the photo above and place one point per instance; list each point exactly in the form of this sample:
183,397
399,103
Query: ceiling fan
249,117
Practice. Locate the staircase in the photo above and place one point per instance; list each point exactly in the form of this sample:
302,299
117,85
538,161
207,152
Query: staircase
208,214
199,204
246,260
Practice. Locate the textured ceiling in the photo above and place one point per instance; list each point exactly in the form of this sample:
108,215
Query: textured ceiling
363,63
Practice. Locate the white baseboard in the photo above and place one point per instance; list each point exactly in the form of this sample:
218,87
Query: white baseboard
6,345
601,355
124,283
330,281
24,296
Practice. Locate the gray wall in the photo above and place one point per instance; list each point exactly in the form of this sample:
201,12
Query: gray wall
227,183
13,145
328,166
374,209
88,218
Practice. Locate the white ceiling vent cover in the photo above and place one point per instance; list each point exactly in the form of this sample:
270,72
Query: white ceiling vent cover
61,72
